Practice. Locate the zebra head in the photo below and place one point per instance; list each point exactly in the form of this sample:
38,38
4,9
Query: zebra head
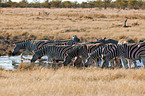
18,46
34,58
83,51
75,38
88,62
38,54
105,62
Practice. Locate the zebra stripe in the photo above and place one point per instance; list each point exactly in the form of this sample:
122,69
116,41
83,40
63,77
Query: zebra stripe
80,50
110,52
52,52
93,47
135,52
93,56
131,52
28,45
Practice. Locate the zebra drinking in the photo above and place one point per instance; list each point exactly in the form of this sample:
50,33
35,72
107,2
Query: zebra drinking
80,50
28,45
52,52
112,51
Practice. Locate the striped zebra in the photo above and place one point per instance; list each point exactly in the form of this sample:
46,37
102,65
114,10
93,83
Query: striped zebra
112,51
78,51
67,42
96,55
54,53
93,47
28,45
135,52
131,52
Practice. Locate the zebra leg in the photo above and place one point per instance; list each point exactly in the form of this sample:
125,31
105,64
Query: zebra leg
112,63
48,61
83,61
143,60
67,60
23,53
123,62
104,63
129,63
78,62
134,62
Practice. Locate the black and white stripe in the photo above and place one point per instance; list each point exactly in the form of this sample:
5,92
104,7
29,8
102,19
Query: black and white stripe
28,45
80,50
110,52
94,56
52,52
131,52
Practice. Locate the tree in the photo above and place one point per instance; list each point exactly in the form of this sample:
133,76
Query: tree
106,3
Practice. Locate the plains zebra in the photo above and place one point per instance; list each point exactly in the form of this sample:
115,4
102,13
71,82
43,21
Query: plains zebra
104,41
110,52
131,52
67,42
93,47
52,52
135,52
28,45
95,55
80,50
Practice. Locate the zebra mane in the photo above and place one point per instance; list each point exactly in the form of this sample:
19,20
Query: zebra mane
22,41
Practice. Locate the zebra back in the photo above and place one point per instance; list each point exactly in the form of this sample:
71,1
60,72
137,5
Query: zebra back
93,47
53,52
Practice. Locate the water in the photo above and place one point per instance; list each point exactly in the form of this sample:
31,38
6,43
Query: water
9,63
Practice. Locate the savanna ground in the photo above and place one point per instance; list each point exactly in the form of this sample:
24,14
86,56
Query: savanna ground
58,24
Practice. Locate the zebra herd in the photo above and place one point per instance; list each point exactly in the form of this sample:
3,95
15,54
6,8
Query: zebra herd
89,52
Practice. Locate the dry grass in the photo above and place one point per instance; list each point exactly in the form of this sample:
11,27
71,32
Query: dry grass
88,24
73,82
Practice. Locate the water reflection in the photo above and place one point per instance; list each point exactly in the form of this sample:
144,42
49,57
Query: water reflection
9,63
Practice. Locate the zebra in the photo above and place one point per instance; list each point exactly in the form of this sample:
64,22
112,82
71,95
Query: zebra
135,52
54,53
131,52
94,56
104,41
28,45
93,47
80,50
67,42
110,52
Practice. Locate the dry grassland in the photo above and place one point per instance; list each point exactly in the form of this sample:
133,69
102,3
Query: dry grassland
73,82
88,24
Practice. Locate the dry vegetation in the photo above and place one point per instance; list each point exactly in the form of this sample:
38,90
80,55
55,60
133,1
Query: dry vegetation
88,24
73,82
